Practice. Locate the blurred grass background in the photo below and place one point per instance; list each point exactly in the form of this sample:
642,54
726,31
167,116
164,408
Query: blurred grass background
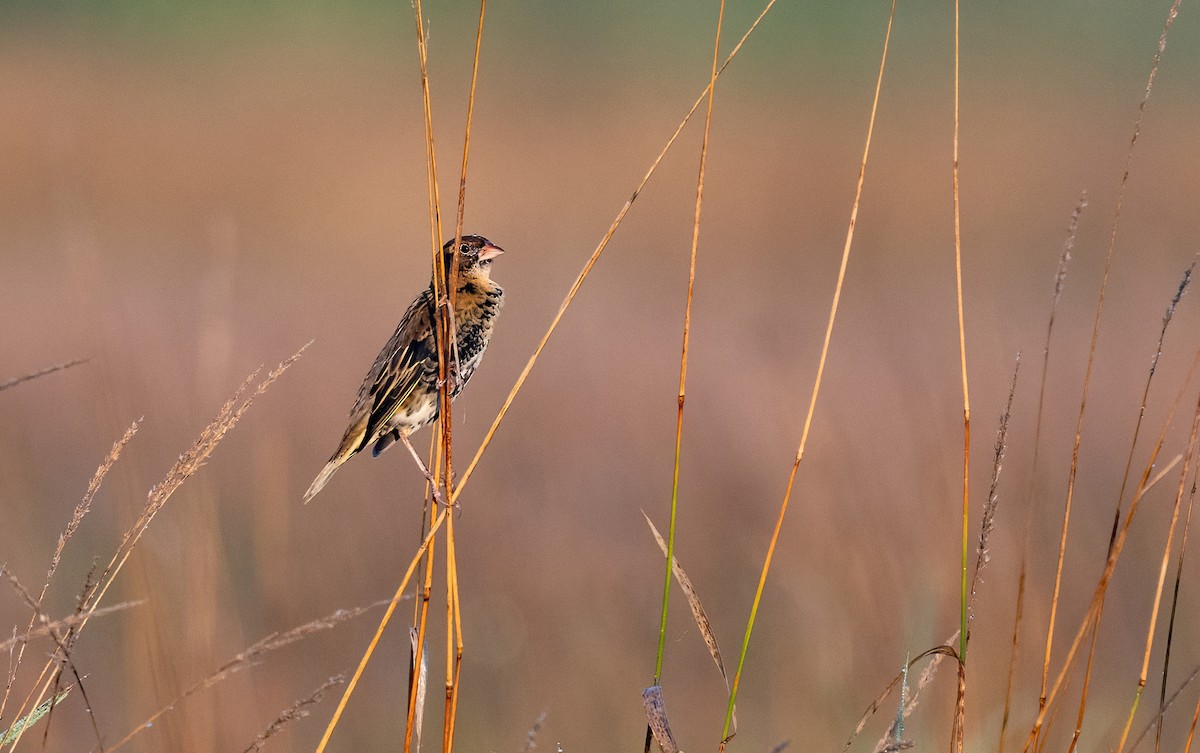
194,189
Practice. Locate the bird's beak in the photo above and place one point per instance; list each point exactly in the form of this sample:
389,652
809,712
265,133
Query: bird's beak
489,252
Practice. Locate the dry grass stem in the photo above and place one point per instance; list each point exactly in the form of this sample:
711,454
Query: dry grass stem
77,516
988,522
41,373
248,658
1060,278
812,405
1098,595
66,622
297,710
1087,674
14,733
190,462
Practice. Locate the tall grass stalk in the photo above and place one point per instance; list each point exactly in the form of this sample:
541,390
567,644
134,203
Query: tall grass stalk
683,358
956,733
812,404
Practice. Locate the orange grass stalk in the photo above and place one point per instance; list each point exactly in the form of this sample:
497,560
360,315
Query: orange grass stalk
812,404
454,640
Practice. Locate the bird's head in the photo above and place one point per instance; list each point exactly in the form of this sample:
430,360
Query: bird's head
475,255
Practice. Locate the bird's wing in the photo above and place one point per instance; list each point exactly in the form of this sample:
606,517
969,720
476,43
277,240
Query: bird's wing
399,367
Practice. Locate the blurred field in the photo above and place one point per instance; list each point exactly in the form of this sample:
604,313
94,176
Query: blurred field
189,194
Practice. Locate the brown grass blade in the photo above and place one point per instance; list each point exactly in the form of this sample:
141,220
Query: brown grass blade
693,599
656,717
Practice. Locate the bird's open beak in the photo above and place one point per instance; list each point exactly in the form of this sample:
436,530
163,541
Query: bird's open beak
489,252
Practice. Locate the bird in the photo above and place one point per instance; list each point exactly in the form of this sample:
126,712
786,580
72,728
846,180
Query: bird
399,395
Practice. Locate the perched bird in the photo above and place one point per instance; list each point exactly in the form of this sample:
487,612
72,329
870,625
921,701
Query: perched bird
400,393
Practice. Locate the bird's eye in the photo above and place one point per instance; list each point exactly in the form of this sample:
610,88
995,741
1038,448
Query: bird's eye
464,249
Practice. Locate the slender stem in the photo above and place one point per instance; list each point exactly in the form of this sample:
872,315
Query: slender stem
812,405
683,359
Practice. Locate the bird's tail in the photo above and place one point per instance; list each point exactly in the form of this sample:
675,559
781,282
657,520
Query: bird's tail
323,477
